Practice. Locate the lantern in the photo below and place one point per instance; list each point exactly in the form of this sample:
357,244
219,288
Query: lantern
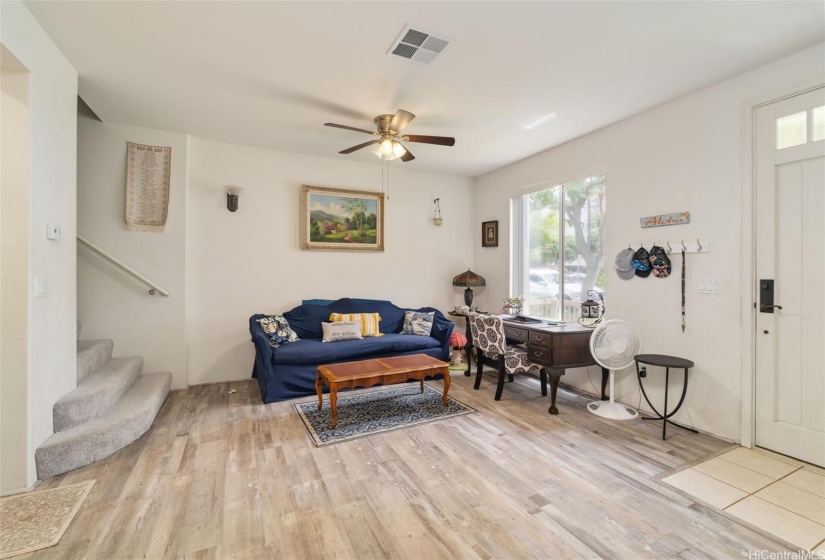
592,310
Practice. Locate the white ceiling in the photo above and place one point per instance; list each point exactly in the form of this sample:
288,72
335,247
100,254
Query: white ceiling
269,74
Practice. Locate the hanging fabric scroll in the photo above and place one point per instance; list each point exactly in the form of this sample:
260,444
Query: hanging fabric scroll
147,187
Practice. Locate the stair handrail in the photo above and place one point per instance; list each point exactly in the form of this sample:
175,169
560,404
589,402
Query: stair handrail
153,287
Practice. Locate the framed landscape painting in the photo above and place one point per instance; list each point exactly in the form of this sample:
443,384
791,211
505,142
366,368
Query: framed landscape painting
341,220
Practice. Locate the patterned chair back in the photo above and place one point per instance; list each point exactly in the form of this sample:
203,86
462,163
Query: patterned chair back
488,334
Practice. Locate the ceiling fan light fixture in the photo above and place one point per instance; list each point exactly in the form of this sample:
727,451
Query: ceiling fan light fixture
398,150
387,145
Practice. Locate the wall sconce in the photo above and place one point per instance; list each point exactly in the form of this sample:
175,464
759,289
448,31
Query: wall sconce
232,193
437,216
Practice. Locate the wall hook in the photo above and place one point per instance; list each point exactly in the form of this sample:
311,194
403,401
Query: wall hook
698,246
683,246
669,248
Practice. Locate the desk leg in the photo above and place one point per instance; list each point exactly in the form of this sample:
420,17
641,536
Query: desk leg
555,376
468,349
333,401
319,388
446,385
422,384
605,378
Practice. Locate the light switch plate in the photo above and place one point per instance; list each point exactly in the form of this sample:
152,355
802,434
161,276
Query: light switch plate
52,231
710,286
39,287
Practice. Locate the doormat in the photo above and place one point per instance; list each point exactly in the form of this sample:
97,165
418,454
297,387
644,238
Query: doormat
36,520
375,412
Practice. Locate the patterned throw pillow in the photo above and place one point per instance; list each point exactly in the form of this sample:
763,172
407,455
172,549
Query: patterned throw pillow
369,321
341,330
277,330
418,322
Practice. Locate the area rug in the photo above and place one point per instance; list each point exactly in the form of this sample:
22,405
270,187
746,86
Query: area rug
368,413
36,520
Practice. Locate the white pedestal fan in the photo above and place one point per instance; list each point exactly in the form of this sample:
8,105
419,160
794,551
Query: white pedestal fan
613,345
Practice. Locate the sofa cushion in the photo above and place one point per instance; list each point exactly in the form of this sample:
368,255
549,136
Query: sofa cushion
313,351
392,316
277,331
341,330
306,320
418,322
369,321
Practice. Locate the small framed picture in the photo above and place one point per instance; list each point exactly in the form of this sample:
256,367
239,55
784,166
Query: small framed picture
489,234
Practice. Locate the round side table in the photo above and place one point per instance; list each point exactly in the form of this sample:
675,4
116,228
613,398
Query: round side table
469,345
666,362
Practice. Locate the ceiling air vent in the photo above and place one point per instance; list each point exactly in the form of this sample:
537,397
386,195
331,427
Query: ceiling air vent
418,46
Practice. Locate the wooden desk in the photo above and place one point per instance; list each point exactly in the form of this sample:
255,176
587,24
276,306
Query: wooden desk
556,347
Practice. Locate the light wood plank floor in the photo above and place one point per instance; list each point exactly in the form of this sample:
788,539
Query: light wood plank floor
221,475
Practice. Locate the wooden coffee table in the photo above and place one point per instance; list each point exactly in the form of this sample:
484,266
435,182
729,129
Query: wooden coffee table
378,371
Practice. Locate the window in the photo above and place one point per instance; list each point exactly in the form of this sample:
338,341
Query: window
794,130
558,247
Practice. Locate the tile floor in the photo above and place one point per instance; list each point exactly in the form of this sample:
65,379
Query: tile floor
781,496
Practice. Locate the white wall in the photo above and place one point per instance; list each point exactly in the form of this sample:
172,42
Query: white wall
250,261
110,302
684,155
14,263
52,363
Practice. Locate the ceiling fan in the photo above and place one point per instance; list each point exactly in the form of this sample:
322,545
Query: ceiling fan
389,139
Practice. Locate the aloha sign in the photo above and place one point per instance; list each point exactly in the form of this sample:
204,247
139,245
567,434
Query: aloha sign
666,220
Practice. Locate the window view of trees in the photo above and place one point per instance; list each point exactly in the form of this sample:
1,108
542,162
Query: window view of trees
565,231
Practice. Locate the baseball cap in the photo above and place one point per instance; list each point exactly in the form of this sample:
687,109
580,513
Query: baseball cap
660,262
641,262
624,264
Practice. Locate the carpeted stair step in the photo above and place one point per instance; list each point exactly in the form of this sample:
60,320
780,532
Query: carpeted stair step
91,354
97,393
92,441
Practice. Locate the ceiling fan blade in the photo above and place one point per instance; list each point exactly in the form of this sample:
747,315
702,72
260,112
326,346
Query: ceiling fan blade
400,121
358,147
345,127
407,156
440,140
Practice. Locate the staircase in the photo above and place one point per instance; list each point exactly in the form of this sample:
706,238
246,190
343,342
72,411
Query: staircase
112,406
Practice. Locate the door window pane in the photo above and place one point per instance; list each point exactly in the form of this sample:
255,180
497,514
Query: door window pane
818,132
792,130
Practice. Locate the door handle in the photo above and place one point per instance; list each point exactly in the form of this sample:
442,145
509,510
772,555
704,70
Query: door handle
764,307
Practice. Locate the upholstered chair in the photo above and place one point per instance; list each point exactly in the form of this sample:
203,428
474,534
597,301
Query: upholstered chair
487,332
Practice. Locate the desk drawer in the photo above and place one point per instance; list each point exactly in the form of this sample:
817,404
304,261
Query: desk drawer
541,339
512,333
559,357
539,354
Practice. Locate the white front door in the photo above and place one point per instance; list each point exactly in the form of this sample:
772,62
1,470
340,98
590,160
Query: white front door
790,252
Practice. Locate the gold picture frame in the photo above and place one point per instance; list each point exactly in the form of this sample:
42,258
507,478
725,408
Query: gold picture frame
341,219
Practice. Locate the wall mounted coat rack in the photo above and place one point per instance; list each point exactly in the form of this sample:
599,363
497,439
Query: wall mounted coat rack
674,247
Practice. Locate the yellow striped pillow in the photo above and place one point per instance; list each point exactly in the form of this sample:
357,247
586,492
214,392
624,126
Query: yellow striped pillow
369,321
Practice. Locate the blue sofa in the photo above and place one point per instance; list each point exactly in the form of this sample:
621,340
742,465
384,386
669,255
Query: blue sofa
289,371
